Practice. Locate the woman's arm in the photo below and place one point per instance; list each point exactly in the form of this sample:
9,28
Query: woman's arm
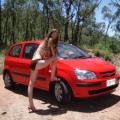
52,51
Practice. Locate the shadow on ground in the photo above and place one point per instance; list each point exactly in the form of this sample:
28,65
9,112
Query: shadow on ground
86,106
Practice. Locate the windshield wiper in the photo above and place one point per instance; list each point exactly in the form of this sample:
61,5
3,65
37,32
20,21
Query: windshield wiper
83,57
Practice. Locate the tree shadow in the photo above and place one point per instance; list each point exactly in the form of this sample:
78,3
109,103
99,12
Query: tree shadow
79,105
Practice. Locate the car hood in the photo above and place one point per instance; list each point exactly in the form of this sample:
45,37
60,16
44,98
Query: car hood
92,64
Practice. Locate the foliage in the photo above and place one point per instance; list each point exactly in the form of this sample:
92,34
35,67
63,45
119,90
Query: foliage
102,51
115,46
32,19
24,20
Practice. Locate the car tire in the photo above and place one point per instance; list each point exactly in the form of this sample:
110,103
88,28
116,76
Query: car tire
62,92
8,81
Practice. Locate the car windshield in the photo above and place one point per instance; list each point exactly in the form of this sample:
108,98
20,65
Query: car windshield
68,51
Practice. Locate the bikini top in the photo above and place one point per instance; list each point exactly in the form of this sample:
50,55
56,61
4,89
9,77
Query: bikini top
47,55
37,54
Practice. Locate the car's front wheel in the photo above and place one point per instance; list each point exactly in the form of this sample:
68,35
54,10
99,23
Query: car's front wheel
8,80
62,92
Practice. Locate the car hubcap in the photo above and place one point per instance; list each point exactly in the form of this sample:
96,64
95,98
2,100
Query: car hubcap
58,92
7,80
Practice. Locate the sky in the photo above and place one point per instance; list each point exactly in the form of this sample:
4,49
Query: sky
99,16
2,1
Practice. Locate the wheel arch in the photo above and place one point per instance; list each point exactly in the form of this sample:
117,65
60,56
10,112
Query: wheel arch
4,71
64,81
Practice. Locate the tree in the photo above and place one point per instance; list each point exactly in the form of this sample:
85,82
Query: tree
0,23
84,10
13,21
68,16
110,17
116,4
32,19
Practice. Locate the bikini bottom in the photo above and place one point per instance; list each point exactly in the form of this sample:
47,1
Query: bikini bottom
33,64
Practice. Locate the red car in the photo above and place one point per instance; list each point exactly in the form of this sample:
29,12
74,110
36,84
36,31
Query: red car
79,74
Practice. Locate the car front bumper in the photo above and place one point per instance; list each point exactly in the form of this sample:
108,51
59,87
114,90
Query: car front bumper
92,89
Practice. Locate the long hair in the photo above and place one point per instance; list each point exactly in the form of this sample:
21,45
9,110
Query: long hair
55,41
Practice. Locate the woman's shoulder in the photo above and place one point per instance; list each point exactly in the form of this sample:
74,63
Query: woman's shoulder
50,38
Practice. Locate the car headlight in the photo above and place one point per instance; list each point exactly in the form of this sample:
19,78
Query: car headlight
84,74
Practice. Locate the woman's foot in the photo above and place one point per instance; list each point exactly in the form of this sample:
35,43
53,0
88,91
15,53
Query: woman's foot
32,109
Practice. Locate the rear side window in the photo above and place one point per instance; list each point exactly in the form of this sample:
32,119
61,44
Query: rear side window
15,51
29,50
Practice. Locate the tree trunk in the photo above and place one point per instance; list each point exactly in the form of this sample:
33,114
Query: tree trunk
80,35
66,25
47,12
66,32
13,21
107,33
6,30
26,33
0,24
76,32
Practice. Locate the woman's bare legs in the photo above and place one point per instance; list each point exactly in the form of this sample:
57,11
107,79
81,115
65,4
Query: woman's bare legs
53,69
33,76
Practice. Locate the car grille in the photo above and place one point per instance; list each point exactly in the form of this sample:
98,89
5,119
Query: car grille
92,92
107,74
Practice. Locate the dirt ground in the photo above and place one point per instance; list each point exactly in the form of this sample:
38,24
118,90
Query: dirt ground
13,106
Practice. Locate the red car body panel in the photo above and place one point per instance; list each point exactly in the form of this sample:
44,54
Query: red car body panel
94,64
20,72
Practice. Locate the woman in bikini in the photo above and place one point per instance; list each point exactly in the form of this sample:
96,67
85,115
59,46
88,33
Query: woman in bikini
41,59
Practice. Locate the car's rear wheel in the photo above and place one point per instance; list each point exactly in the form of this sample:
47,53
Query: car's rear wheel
8,81
62,92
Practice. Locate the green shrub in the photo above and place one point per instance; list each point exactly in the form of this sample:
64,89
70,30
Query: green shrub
99,50
115,47
107,55
102,50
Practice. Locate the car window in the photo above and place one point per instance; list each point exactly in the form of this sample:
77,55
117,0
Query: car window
15,51
68,51
29,50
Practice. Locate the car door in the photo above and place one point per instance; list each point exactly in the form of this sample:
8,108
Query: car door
12,61
43,77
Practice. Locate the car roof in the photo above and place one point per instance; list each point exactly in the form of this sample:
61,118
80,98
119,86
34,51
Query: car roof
34,41
31,41
25,42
